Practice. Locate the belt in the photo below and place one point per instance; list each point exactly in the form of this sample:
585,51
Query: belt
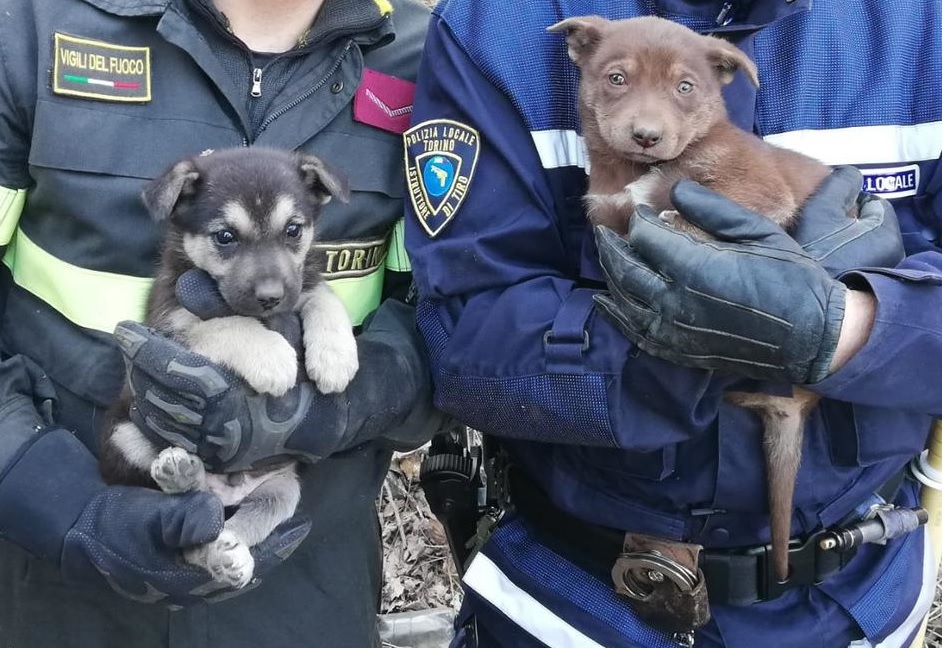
740,576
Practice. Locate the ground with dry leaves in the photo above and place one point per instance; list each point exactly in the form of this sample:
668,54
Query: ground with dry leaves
418,570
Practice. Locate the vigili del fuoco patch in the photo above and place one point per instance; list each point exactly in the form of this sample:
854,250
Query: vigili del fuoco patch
440,161
98,70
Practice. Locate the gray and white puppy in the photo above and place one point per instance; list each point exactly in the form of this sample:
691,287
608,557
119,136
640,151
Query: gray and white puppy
246,217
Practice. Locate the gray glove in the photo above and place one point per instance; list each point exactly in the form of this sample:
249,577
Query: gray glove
751,302
839,243
184,399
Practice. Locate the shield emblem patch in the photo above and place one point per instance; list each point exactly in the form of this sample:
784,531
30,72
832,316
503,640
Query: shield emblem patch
441,155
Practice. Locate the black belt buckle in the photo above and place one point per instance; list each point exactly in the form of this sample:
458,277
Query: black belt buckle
802,562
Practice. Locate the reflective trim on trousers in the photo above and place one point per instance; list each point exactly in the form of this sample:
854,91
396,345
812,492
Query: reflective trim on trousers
902,635
493,585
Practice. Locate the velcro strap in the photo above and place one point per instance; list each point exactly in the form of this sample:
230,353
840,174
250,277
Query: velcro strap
568,339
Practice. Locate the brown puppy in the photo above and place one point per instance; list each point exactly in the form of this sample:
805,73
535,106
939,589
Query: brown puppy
652,114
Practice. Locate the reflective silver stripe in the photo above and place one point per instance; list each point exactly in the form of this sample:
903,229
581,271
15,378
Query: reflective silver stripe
890,144
900,635
524,610
560,148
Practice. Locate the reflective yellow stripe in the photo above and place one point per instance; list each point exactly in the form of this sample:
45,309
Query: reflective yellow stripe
11,206
90,298
99,300
385,7
397,260
361,295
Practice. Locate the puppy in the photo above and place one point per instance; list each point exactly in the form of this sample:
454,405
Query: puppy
246,217
652,113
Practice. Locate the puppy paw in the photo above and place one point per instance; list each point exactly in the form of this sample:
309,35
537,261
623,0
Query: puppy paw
274,369
227,559
331,361
177,471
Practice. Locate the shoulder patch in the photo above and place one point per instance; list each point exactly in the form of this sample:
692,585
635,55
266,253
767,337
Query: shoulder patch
98,70
441,155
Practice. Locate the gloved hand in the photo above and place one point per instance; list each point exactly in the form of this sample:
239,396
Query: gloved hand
751,303
839,243
185,399
54,504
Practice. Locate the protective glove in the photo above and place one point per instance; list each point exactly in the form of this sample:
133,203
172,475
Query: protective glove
751,302
185,399
54,504
840,243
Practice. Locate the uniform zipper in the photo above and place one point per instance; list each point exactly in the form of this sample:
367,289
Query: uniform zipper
284,109
256,90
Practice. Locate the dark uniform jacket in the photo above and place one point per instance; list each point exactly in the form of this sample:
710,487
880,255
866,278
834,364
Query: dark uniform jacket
501,250
96,98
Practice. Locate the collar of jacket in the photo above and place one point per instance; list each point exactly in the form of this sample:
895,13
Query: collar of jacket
131,7
732,15
366,22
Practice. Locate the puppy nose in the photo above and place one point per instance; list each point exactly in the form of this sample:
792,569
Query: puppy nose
269,295
268,303
646,137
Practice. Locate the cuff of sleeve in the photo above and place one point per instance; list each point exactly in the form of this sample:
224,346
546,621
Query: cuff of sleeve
885,340
835,311
321,432
390,398
45,490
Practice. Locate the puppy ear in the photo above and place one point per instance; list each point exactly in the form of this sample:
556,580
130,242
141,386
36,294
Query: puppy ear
728,59
583,35
322,180
163,194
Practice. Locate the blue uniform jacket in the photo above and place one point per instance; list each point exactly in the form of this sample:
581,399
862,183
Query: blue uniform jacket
505,268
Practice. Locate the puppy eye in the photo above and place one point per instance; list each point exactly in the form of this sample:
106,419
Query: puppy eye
224,237
617,79
294,230
685,87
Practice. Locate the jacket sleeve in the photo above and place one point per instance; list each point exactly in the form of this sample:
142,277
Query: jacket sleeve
23,390
500,310
390,398
905,341
14,148
38,505
899,366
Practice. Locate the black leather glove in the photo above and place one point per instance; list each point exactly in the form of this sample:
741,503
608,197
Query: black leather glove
839,243
184,399
751,302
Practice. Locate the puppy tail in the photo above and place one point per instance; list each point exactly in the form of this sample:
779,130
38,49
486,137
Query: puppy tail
783,421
